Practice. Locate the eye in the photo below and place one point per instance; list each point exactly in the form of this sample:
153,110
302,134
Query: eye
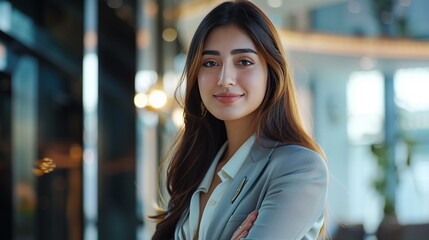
210,63
245,62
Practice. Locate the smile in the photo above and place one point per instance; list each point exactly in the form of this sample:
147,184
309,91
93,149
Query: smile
228,97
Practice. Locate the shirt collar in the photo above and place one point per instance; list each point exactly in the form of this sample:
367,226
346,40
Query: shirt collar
231,168
207,180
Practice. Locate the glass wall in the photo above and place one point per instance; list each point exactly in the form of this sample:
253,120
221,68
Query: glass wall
41,120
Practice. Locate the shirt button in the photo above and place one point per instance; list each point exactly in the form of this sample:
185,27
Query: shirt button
212,202
224,174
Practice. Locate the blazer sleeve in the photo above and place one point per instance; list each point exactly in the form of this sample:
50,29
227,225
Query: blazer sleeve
294,204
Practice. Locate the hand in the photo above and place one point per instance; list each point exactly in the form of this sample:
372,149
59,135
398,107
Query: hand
244,228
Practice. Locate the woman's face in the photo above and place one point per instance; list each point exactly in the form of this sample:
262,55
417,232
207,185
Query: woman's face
233,76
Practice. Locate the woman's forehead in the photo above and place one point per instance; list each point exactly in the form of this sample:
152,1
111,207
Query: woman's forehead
229,36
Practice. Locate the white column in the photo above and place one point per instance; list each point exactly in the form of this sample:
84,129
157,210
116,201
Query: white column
90,127
147,121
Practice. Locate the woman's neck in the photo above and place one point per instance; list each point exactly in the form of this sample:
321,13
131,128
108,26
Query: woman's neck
238,132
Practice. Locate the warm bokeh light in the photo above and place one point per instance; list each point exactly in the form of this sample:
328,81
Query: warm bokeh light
76,152
150,8
141,100
144,39
46,165
157,99
37,172
169,34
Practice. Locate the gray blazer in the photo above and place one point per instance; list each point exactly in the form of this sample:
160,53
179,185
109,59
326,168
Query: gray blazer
286,184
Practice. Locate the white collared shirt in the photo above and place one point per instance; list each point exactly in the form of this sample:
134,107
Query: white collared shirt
187,226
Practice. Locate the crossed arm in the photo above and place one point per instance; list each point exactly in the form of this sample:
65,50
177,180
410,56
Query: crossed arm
292,208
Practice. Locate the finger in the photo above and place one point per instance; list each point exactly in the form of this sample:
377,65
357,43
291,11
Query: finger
248,222
240,234
243,235
252,216
236,234
245,226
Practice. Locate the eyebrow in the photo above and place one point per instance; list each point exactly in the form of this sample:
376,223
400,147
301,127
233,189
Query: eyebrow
233,52
243,50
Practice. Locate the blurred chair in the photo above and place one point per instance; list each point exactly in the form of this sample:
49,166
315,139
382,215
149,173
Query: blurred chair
404,232
349,232
415,232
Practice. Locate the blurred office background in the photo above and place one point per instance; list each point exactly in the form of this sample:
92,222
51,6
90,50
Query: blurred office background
87,110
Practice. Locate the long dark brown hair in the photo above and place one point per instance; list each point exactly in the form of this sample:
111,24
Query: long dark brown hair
201,137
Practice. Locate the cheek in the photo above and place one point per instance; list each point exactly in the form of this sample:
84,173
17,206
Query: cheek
206,80
257,84
203,84
261,91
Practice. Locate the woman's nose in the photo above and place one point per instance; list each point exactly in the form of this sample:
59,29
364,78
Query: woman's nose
227,77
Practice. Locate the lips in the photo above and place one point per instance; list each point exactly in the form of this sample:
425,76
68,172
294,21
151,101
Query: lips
228,97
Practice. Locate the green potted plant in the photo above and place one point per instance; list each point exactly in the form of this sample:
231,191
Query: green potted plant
386,182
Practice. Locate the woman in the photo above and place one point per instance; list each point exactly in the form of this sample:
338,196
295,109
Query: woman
243,165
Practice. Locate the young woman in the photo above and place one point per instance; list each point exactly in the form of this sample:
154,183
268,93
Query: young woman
243,165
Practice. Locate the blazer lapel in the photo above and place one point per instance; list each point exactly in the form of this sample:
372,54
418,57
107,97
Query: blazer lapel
252,167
